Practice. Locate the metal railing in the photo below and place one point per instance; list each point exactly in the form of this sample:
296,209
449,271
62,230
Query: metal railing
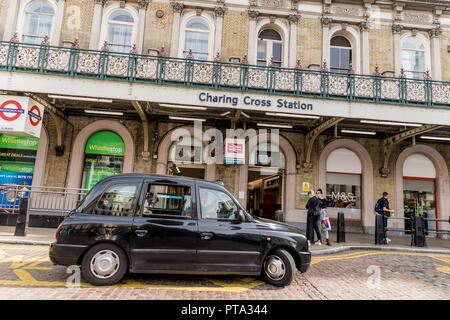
437,231
41,200
162,70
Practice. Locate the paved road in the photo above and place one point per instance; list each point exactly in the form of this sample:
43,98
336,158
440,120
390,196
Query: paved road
26,273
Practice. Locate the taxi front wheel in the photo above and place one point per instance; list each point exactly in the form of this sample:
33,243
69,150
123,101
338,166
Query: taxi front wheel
104,264
278,268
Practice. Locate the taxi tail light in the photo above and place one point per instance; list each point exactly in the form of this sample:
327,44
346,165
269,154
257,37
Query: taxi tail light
59,227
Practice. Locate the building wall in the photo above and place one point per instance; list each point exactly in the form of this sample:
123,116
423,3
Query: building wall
381,43
3,12
158,31
445,55
235,34
77,22
309,41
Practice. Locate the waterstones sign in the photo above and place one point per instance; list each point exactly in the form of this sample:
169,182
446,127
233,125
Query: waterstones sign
254,101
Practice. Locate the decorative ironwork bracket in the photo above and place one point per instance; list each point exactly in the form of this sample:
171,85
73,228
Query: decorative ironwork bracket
311,137
390,143
56,115
145,126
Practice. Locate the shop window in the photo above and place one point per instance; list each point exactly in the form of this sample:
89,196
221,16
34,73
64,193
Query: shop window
340,54
413,58
197,33
104,155
270,46
419,190
167,200
38,21
120,33
118,200
343,184
217,205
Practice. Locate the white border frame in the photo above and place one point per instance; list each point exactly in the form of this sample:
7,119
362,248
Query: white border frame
105,18
212,31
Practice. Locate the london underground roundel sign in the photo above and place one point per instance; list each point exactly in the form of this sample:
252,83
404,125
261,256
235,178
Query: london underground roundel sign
35,115
10,110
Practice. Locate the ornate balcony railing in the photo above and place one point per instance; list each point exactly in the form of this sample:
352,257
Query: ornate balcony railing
82,63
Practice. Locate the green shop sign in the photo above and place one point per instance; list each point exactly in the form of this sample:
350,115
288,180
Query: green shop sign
105,143
16,167
12,142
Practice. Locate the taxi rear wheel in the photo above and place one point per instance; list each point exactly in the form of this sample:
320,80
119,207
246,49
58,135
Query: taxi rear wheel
278,268
104,264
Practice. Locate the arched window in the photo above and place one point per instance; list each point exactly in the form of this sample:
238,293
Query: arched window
340,54
413,58
343,183
197,34
38,21
269,45
104,156
121,26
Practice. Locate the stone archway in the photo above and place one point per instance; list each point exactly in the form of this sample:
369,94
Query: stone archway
367,219
166,142
290,213
442,179
76,162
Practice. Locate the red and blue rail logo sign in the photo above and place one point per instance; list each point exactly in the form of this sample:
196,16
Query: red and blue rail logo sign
35,115
234,147
11,107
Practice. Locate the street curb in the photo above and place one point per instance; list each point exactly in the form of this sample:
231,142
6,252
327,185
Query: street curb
378,248
313,253
23,241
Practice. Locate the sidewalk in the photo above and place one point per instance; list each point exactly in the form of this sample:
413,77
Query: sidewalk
354,241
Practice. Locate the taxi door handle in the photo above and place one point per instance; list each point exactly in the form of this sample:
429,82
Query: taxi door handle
206,235
141,233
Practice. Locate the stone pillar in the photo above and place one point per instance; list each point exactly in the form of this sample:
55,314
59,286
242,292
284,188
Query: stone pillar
293,21
57,27
218,12
436,71
96,24
174,42
11,20
365,49
252,36
397,30
326,22
143,4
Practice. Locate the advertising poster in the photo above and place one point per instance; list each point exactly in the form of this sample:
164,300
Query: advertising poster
103,157
17,158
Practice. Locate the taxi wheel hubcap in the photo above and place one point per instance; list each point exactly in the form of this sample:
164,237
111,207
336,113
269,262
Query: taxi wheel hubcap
104,264
275,268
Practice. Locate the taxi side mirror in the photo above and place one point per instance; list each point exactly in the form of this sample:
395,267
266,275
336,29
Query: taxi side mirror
241,216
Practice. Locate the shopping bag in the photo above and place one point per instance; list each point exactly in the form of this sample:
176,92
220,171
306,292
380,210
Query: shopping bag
326,224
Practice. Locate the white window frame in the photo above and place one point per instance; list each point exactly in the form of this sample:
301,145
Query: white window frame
22,16
426,44
339,47
269,47
353,36
184,21
282,29
105,22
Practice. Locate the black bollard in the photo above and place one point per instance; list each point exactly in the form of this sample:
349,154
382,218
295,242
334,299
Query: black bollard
21,220
340,227
379,232
419,232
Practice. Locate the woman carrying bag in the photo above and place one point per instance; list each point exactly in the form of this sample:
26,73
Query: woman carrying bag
324,221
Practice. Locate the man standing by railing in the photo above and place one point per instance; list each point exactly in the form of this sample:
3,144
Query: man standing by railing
382,207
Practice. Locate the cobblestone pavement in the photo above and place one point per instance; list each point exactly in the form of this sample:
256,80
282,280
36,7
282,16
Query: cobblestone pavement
26,273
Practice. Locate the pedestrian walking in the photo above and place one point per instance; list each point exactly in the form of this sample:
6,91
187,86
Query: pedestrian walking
382,207
312,218
323,214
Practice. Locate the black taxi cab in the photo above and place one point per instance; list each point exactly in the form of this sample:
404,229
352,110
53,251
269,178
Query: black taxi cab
141,223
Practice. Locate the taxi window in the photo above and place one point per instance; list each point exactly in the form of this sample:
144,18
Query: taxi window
117,200
167,200
216,204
